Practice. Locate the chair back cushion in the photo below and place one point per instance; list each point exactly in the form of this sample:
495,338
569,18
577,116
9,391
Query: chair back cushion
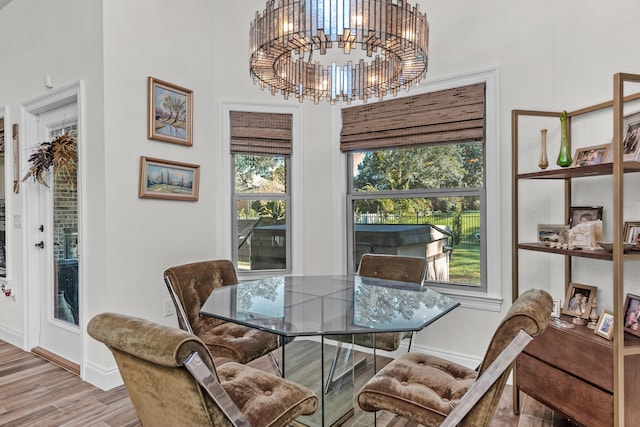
149,357
393,267
530,313
193,283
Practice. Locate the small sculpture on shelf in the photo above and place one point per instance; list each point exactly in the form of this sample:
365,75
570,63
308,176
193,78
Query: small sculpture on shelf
578,310
593,316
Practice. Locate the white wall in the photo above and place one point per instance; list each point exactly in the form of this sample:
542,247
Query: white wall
552,55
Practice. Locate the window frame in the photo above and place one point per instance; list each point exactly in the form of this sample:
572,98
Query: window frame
227,215
488,297
285,196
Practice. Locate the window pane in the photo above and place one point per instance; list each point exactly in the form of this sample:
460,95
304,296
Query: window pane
261,234
444,229
433,166
260,174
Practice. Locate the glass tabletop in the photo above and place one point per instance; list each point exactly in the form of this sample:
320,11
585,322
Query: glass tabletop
326,305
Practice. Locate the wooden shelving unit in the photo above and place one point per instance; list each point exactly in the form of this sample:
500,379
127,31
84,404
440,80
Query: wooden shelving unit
620,359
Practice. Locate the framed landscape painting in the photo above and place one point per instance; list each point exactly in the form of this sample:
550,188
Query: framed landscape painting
170,112
164,179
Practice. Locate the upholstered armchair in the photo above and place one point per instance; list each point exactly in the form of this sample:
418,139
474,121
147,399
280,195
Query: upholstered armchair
172,381
428,390
381,266
390,267
190,285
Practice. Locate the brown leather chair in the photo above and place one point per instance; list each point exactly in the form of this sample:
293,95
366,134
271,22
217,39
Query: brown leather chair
172,381
426,389
190,285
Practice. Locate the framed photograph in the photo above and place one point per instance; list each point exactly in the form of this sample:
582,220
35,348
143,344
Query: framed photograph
578,214
632,234
631,314
630,135
555,312
164,179
170,112
593,155
579,300
604,327
551,233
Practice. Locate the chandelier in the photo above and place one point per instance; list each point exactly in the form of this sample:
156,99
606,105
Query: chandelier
287,37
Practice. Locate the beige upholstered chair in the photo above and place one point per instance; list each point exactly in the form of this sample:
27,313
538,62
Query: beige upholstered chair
190,285
381,266
390,267
172,381
426,389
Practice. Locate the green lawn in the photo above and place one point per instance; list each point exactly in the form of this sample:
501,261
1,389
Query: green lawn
465,264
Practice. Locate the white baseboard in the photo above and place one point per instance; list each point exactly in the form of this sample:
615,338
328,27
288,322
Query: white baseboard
104,379
12,337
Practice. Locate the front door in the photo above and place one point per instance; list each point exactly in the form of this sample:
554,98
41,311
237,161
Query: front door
52,232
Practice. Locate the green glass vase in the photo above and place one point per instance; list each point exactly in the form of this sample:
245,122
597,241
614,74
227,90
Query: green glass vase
564,157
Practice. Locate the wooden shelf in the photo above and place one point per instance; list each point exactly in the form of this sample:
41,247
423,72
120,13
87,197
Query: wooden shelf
595,254
576,252
564,368
579,172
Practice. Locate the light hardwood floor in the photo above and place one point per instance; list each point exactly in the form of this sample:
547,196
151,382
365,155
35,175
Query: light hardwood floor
35,392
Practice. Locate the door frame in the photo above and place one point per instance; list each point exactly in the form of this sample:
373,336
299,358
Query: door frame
72,93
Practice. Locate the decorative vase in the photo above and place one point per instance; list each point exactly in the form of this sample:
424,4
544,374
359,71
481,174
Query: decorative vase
564,157
544,162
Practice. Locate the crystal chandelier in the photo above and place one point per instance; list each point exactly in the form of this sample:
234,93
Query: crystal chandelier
287,37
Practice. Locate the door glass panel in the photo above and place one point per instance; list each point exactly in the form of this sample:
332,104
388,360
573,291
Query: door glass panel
65,235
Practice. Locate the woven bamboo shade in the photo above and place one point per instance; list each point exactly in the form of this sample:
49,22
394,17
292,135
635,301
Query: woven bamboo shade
261,133
452,115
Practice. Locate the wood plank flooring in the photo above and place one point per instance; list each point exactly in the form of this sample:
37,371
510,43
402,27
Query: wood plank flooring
35,392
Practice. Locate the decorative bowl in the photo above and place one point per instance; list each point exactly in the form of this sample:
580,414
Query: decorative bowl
608,246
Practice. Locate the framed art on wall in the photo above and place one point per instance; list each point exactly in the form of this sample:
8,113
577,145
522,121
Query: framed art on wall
170,112
164,179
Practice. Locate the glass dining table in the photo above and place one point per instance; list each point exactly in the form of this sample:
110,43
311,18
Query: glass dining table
307,310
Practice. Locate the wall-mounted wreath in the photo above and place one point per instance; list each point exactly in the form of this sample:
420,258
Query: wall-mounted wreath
59,153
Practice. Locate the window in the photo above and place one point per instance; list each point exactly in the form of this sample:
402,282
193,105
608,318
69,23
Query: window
417,182
260,152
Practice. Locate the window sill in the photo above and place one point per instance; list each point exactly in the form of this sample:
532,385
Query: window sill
475,300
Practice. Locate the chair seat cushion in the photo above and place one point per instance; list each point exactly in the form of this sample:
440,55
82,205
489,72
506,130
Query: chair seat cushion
419,387
264,399
238,343
388,341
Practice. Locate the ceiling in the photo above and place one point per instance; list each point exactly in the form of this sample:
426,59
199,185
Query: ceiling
3,3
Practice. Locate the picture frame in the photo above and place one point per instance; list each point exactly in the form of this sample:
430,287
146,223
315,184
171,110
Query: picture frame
555,311
169,112
551,233
631,313
632,234
579,214
582,294
165,179
604,327
592,155
631,134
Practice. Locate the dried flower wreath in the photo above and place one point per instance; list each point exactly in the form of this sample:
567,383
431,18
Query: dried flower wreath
61,153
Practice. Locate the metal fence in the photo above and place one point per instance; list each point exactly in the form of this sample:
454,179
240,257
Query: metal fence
469,227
